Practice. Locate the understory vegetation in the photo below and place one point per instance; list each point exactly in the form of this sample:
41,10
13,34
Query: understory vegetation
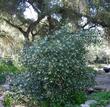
53,72
57,74
6,68
102,98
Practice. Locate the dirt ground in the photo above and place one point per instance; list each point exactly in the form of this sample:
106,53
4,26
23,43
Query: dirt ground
103,81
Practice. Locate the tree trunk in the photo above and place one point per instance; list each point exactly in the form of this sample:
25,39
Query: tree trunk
107,34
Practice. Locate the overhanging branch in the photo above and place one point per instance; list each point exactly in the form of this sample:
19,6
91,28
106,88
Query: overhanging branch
15,26
94,19
32,25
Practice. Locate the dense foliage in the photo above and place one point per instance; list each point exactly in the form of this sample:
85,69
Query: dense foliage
57,70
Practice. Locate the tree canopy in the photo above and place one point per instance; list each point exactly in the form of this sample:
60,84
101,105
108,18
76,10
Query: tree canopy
37,17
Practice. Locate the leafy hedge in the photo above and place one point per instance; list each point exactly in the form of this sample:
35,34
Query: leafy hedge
57,70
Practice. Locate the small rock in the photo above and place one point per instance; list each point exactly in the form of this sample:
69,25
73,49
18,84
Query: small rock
84,105
106,69
88,103
6,86
19,106
90,90
1,98
108,106
1,105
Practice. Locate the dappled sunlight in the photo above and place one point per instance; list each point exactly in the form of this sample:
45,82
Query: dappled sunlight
30,13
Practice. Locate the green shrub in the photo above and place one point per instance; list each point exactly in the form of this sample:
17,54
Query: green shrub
102,98
56,70
6,68
79,97
8,100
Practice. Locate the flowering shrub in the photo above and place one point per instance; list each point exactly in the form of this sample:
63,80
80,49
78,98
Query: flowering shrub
56,68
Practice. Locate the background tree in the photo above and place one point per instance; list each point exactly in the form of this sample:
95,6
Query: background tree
26,26
54,12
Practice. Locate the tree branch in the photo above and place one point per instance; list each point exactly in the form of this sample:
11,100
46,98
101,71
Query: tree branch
15,26
85,24
92,26
35,8
32,25
94,20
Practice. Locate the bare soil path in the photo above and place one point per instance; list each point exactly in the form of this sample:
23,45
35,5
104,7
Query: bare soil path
103,81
